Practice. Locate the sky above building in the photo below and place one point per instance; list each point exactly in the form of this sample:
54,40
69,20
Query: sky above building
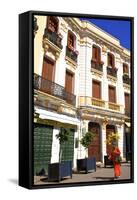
120,29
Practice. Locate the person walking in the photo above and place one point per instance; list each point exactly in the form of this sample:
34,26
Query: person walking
116,159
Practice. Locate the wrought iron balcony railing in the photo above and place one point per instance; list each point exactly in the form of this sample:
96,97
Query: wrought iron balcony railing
54,89
127,112
53,37
112,71
126,79
96,65
71,54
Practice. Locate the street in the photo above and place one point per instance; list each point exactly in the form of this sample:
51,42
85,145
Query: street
101,174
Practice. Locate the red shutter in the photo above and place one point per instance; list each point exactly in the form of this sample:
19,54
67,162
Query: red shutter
112,94
127,102
98,55
69,82
94,53
111,60
52,24
96,89
125,68
48,69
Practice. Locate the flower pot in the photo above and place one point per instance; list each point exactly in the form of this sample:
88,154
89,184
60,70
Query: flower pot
57,171
86,164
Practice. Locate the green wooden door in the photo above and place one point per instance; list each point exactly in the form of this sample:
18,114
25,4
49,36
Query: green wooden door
42,148
68,147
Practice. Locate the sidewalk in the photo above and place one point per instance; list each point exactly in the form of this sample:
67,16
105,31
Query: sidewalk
101,174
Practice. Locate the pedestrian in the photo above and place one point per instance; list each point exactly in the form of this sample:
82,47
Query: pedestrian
116,159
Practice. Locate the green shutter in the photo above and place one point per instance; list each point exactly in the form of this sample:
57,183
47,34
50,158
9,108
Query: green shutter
42,147
68,148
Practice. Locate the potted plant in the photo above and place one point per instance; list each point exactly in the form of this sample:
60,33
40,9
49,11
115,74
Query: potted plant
87,163
56,171
112,140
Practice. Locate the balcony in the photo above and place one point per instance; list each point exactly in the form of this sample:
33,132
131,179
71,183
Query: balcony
90,101
97,66
53,37
98,102
54,89
113,106
73,55
127,112
112,71
126,79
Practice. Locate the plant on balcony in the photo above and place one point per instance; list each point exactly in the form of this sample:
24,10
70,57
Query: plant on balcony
56,171
87,163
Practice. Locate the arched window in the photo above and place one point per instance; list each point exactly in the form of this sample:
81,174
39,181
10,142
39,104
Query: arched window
52,24
111,60
96,53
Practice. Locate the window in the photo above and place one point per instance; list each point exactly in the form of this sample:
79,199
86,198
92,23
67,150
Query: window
69,82
111,60
71,40
127,102
112,94
48,69
96,54
125,68
96,89
52,24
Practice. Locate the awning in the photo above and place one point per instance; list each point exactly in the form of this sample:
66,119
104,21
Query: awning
128,124
44,114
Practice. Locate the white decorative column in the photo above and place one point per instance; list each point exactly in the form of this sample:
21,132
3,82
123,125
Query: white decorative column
103,127
104,78
75,149
38,49
83,129
120,130
55,146
119,87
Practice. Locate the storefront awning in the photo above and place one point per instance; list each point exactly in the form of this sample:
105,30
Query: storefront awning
44,114
128,124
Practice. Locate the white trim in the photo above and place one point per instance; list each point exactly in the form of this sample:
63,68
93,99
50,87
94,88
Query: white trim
44,114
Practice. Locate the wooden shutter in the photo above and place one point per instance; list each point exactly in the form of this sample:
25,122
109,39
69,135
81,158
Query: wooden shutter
52,24
48,69
98,55
69,82
94,54
96,89
111,60
127,102
125,68
112,94
71,40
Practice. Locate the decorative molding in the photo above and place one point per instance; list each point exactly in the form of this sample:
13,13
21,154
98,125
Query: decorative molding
96,73
51,48
112,79
64,27
70,62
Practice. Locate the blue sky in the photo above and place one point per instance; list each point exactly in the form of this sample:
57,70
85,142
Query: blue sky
118,28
